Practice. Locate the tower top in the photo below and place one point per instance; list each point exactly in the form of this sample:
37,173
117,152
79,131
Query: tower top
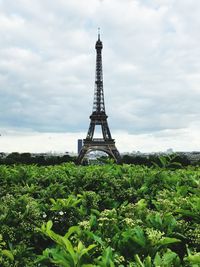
99,44
98,34
98,104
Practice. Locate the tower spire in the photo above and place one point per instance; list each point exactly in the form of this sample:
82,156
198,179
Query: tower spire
98,104
98,116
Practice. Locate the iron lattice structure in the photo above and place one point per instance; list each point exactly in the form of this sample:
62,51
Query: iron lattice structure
99,117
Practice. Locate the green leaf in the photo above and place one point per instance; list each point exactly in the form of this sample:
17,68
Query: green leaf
141,203
8,254
88,265
72,230
194,258
80,246
157,260
107,258
139,237
49,225
169,257
138,260
95,238
147,262
85,250
95,212
168,240
70,249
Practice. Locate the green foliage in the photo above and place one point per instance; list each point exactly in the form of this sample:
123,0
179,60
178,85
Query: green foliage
28,158
6,255
107,258
168,161
109,215
66,253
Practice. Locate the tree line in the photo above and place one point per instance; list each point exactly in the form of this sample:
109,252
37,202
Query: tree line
40,160
176,160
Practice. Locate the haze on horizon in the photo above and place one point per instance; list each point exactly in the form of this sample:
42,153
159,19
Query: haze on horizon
151,73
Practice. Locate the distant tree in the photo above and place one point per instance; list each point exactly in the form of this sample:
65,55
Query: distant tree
13,158
40,160
26,158
182,159
135,159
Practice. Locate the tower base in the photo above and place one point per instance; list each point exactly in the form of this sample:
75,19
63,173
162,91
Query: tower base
107,146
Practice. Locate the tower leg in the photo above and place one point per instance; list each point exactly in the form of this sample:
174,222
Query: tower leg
81,155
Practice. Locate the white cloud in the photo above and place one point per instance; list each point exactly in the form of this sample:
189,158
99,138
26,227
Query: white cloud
150,61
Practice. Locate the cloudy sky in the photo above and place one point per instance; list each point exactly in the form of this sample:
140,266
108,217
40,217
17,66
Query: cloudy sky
151,64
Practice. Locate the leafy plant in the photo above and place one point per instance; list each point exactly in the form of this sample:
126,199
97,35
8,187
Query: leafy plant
4,253
167,162
65,253
102,215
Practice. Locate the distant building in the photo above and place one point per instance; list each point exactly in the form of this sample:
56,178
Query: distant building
80,144
169,151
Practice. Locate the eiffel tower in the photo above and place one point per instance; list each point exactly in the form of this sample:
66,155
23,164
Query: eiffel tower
99,117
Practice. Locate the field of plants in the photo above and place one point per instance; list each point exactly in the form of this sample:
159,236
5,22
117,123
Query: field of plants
109,215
